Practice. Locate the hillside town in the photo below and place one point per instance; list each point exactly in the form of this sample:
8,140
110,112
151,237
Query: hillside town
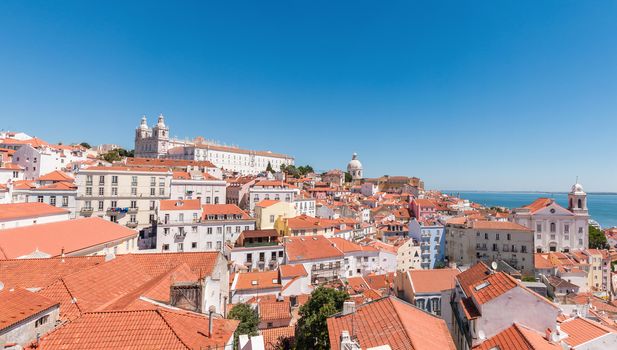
192,244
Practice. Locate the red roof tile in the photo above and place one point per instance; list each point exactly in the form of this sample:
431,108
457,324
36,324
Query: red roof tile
290,271
16,211
393,322
472,275
53,238
223,209
274,310
581,330
433,281
257,280
176,204
141,329
273,336
18,304
517,337
56,175
311,248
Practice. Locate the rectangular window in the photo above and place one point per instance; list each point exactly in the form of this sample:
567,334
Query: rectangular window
134,181
133,191
101,180
271,219
133,218
153,191
162,191
153,181
218,245
101,191
65,201
39,199
89,180
101,205
134,204
41,321
539,228
114,191
209,230
165,247
209,245
509,237
88,191
194,245
566,228
114,204
114,179
152,205
52,200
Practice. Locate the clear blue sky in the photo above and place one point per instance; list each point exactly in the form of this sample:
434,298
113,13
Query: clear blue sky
508,95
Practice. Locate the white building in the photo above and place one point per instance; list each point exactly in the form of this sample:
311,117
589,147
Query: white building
304,206
408,256
126,195
155,143
187,225
26,214
555,227
354,167
202,186
271,189
46,158
10,172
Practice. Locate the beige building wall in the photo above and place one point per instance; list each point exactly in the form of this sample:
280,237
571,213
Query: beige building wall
266,217
408,256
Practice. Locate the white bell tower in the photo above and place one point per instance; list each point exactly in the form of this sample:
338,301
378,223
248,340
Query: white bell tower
577,199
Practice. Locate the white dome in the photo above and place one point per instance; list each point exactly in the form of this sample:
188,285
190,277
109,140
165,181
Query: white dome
354,163
577,188
144,123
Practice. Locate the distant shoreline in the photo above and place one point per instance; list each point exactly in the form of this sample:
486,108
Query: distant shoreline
524,192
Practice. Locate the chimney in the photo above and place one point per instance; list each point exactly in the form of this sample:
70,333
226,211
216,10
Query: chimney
349,307
210,313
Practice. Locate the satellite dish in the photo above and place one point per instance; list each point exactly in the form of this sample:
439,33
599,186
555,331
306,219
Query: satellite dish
1,286
494,265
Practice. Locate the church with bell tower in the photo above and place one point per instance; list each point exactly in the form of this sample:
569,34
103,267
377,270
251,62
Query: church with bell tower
151,142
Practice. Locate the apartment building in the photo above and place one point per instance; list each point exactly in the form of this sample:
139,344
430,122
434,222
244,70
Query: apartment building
126,195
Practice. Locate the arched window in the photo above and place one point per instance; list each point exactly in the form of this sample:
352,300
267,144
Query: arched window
580,203
553,227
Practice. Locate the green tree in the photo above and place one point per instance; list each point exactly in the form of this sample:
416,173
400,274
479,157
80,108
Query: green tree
112,156
312,329
269,168
249,320
85,145
597,239
124,153
305,169
348,177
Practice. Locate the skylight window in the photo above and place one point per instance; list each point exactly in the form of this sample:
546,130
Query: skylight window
482,285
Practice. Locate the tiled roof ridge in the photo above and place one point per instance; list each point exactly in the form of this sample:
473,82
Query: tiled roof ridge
398,316
518,327
158,311
74,300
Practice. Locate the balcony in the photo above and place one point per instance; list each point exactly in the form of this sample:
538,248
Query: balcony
180,235
86,211
482,248
131,224
133,210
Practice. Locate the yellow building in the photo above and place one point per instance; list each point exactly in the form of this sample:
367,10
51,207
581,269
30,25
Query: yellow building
267,211
306,226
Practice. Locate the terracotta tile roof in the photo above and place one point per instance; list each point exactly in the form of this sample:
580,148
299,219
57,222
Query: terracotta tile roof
499,225
16,211
346,246
471,276
517,337
393,322
492,286
308,223
433,281
169,162
176,204
11,166
201,263
290,271
57,186
257,280
271,183
18,304
53,238
540,262
581,330
538,204
424,202
223,209
56,175
357,285
266,203
310,248
39,273
379,282
274,310
140,329
273,336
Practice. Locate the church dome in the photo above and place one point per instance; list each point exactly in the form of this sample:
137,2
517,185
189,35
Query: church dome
144,123
354,163
577,188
